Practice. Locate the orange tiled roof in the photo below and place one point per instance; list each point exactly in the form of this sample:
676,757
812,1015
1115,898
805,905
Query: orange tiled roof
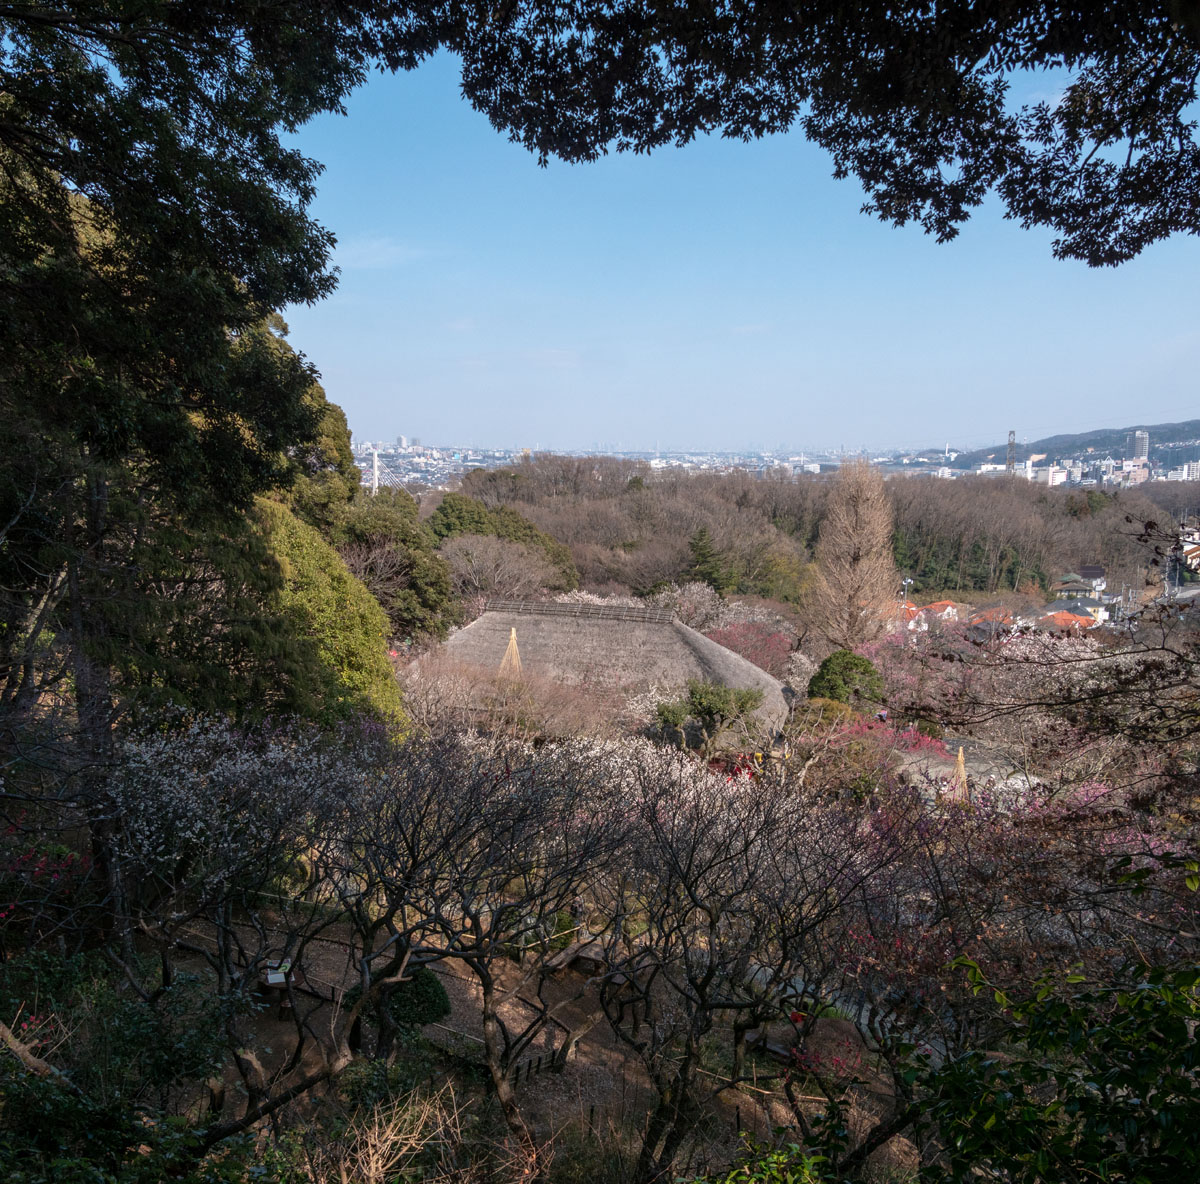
1065,620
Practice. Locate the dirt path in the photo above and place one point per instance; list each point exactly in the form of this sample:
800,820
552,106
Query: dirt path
601,1093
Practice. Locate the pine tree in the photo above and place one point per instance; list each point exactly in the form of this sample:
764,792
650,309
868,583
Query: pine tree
707,565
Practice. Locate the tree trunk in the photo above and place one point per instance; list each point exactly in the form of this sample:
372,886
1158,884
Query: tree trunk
497,1060
647,1165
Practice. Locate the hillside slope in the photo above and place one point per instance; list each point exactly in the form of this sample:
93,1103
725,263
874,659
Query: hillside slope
1101,441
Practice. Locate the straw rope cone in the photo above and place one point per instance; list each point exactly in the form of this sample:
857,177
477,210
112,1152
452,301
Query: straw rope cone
607,648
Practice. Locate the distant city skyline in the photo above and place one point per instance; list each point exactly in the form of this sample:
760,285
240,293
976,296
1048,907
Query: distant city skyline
1138,442
719,295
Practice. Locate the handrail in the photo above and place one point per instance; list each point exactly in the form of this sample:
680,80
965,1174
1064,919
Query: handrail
606,612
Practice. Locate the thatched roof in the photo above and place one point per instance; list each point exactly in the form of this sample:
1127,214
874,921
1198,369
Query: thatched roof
589,644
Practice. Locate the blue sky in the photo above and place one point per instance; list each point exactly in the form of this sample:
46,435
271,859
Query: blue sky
722,295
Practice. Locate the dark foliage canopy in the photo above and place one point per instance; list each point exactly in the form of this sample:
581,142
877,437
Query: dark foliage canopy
916,100
151,218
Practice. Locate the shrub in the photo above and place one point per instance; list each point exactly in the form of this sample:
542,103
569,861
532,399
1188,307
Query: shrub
846,678
419,1000
1098,1083
710,708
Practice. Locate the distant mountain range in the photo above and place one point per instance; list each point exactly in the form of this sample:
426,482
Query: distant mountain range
1167,441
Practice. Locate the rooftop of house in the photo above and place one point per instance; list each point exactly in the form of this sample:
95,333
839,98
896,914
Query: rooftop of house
997,614
1075,604
610,646
944,606
1062,619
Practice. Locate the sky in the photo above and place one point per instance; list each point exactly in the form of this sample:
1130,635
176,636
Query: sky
721,296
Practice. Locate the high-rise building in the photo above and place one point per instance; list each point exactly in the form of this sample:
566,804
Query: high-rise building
1137,445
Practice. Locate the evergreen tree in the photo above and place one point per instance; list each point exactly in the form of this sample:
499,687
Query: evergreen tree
337,617
846,677
707,565
388,549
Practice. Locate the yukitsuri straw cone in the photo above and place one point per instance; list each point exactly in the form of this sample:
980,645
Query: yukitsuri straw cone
510,664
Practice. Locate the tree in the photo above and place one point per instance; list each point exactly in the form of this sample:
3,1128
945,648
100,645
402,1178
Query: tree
1097,1080
335,613
845,677
211,834
126,495
458,514
757,642
325,478
151,219
733,903
385,546
856,580
916,100
470,854
151,222
711,709
707,566
481,565
378,536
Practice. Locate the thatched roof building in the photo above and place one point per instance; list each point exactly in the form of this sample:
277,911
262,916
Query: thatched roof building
602,645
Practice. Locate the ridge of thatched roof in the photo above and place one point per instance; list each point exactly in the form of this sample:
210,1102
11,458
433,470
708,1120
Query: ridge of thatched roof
587,644
556,608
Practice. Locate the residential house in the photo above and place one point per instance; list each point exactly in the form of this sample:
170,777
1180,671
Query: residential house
946,611
1087,606
1070,586
1066,621
986,623
908,614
